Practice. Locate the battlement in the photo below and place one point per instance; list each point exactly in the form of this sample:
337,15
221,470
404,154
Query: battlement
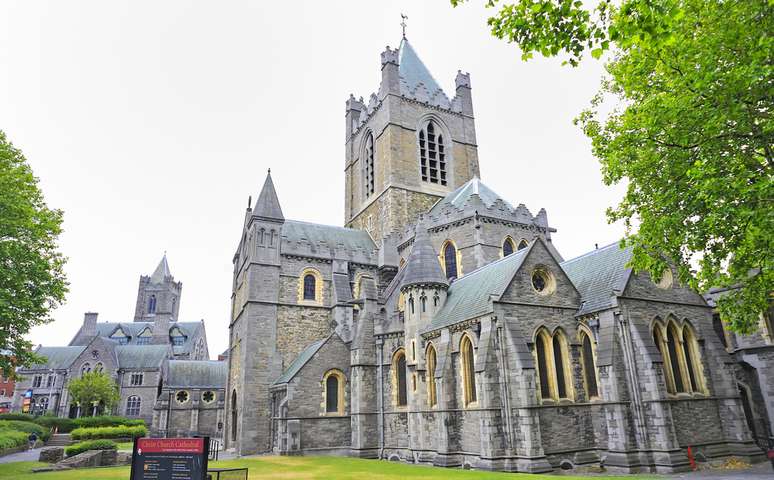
462,79
390,56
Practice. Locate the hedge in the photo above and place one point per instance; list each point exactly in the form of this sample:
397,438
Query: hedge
121,431
27,427
63,425
12,439
17,416
77,448
106,421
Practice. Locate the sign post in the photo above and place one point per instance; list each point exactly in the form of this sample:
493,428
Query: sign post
170,459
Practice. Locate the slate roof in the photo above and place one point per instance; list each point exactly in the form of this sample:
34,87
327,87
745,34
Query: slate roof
413,71
197,373
598,274
314,233
268,205
300,361
58,357
470,296
459,197
162,271
141,356
422,265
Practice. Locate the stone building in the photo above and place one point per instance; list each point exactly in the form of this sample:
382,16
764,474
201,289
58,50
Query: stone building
143,356
443,327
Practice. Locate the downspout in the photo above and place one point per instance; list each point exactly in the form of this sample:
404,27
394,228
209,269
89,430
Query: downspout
380,396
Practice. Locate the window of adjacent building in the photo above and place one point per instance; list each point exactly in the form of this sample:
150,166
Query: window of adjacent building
589,366
554,371
178,340
37,381
142,341
2,393
333,383
133,406
43,404
399,378
508,247
122,340
50,381
152,304
468,371
181,396
432,398
432,154
208,396
368,174
449,257
136,379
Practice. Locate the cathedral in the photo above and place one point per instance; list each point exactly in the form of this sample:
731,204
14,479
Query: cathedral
441,325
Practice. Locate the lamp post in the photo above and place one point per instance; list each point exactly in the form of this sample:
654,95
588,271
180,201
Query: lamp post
50,387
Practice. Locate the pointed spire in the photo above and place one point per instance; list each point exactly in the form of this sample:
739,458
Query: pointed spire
413,71
268,205
162,271
422,266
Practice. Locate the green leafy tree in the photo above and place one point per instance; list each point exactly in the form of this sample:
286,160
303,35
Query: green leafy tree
93,389
690,131
32,279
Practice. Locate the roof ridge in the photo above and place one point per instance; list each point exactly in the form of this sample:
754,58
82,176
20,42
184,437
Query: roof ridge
596,250
499,260
326,225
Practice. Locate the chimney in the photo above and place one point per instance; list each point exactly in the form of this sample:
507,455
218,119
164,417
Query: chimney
160,330
90,324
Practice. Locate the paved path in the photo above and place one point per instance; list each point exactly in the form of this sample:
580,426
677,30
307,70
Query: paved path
25,456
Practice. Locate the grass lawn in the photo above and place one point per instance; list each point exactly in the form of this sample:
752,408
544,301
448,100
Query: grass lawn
125,445
298,467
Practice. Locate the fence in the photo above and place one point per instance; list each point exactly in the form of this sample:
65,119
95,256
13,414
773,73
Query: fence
227,474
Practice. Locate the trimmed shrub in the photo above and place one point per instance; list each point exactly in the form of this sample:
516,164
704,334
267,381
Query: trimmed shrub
106,421
63,425
81,447
25,417
27,427
12,438
121,431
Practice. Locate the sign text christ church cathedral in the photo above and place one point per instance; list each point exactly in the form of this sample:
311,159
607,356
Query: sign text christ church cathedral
442,326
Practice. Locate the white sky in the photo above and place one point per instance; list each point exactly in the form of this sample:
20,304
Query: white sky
149,123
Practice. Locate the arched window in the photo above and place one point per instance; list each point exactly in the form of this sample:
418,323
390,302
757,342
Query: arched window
658,339
693,365
310,286
233,416
589,366
681,358
432,398
432,154
99,368
85,368
261,236
436,300
674,359
368,173
411,305
468,371
450,260
333,383
43,404
133,406
152,304
399,378
423,303
553,362
508,247
523,244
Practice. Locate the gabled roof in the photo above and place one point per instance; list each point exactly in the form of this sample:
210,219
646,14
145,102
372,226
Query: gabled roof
422,265
162,271
58,357
141,356
268,205
133,329
413,71
197,373
315,233
300,361
471,295
459,197
598,274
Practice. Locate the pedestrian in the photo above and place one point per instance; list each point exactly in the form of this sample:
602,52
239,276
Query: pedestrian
33,439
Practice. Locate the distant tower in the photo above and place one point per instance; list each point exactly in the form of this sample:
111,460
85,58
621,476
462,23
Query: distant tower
158,295
407,146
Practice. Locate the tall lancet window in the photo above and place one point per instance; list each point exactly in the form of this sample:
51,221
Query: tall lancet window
152,304
368,174
432,154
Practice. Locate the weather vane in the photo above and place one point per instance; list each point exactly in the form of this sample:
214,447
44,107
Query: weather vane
403,23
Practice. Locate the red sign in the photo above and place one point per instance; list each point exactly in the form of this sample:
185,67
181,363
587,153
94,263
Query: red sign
170,445
771,454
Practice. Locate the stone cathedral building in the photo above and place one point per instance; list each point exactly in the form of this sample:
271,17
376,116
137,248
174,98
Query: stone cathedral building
441,325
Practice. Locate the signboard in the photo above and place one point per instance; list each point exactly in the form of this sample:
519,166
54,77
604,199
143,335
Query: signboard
170,459
26,401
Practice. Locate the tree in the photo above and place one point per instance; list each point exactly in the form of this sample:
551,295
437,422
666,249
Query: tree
93,389
691,131
32,279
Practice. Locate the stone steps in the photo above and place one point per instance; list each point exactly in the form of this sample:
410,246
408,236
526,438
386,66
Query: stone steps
60,440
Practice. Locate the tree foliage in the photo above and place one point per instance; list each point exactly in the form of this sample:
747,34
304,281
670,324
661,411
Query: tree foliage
93,388
691,133
32,279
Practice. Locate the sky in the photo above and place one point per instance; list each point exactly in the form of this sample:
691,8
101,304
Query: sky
150,123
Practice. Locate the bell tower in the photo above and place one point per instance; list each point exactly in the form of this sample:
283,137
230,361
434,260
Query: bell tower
406,147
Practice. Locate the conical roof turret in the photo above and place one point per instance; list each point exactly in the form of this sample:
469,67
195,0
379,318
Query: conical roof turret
268,205
422,265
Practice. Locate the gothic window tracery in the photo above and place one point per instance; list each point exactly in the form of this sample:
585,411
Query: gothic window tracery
681,361
368,174
468,371
553,362
432,154
508,247
133,406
